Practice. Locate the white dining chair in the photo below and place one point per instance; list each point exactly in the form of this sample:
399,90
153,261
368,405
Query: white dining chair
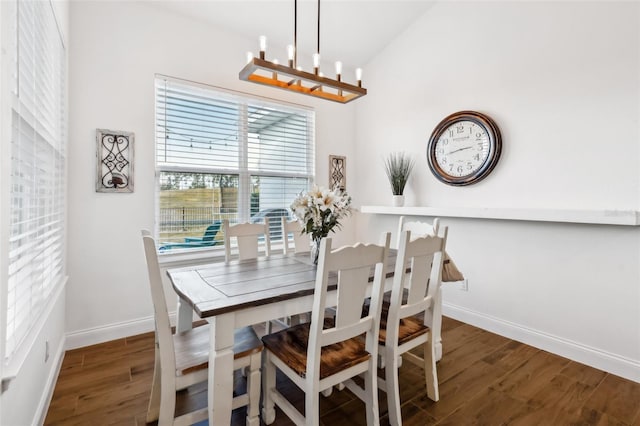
301,241
320,354
182,359
420,229
247,236
406,318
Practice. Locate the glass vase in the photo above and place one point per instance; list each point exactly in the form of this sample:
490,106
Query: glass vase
315,250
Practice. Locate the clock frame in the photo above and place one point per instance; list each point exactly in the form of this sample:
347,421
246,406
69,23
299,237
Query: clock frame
478,173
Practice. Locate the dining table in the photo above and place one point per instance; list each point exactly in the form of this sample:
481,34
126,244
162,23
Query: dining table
235,294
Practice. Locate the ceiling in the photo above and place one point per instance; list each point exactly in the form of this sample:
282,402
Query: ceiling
352,31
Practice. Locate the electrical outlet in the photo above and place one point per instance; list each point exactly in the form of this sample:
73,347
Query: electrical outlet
46,351
463,285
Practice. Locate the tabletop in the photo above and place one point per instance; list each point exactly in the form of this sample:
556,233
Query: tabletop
218,288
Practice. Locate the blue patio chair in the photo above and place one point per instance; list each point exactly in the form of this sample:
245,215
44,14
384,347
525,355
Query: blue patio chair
207,240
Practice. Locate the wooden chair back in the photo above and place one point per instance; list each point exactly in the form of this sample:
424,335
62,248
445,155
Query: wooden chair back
163,325
301,241
247,237
352,266
417,228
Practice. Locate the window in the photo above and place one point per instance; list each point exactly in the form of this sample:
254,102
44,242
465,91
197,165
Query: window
222,155
36,190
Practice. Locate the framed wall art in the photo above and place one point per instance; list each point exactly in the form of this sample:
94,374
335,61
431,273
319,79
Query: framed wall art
114,161
338,172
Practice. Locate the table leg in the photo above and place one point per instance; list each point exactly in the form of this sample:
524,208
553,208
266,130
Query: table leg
220,396
184,316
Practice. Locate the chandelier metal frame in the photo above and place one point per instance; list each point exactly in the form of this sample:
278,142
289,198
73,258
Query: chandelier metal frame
292,78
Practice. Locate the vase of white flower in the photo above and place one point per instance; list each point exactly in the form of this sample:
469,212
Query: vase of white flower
319,211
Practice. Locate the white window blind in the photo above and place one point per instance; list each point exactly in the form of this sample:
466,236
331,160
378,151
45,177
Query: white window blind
223,155
37,175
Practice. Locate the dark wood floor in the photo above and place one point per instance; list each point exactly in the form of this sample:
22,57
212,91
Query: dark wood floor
485,379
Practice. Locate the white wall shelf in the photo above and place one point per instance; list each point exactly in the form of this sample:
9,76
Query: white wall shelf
598,217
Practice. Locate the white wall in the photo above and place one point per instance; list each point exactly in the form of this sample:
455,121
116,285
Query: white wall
562,81
116,48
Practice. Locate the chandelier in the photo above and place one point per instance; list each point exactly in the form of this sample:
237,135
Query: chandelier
293,78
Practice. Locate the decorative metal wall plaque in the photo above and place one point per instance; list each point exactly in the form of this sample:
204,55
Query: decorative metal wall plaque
338,172
114,160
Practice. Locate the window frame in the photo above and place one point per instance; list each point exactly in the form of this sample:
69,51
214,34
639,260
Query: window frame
244,172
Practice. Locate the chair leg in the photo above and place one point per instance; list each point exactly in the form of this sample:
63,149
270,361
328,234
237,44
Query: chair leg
430,371
393,388
253,390
167,400
371,393
268,384
153,410
312,407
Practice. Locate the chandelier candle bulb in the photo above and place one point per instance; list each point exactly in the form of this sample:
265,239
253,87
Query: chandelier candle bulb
359,76
290,52
263,46
316,63
274,74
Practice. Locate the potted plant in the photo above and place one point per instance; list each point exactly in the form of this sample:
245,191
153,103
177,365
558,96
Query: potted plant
398,166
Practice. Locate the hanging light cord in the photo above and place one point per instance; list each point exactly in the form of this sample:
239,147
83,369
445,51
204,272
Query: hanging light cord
318,51
295,33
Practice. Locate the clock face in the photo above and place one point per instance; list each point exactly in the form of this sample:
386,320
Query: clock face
464,148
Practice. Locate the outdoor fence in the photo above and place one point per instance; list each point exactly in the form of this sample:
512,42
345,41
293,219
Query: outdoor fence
185,219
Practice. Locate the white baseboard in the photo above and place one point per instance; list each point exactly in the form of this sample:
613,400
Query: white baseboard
45,399
119,330
596,358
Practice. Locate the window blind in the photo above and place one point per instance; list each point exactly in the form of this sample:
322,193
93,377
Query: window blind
224,155
37,175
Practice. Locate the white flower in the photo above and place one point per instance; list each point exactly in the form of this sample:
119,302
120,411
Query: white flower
320,210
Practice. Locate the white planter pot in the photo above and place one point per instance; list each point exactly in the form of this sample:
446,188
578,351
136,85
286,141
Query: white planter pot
398,201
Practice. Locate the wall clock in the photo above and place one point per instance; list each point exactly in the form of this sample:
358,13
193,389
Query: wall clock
464,148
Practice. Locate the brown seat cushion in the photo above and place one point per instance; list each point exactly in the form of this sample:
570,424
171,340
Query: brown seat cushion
290,345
